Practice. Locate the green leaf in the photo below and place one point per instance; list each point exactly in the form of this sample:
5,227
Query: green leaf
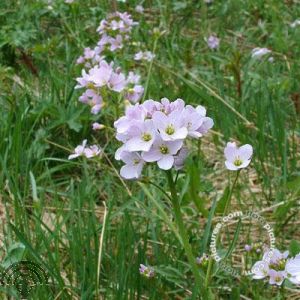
294,248
222,202
15,253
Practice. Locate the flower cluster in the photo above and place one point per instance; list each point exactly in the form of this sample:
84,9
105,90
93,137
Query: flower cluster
146,271
237,158
203,260
102,77
155,132
277,267
213,42
84,150
113,32
255,248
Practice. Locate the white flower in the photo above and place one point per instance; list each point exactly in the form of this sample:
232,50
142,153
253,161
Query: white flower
163,153
139,9
143,136
260,269
133,165
276,277
292,268
171,127
92,151
259,52
295,23
237,158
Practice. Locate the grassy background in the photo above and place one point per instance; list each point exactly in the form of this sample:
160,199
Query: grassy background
52,210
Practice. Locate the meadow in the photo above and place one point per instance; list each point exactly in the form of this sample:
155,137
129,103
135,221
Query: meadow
183,213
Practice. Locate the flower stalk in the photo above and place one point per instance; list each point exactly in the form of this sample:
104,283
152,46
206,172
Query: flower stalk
182,231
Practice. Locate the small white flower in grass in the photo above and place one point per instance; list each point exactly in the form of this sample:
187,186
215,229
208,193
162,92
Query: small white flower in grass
92,151
139,9
147,55
133,165
248,248
146,271
163,153
259,52
79,150
295,23
237,158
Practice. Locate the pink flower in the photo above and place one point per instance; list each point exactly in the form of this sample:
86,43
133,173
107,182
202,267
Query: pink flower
180,158
101,75
83,150
237,158
79,150
143,136
157,131
91,98
134,94
117,82
116,43
82,81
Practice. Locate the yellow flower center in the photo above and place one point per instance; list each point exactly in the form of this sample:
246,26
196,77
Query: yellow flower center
90,86
170,130
278,266
146,137
136,161
238,162
164,149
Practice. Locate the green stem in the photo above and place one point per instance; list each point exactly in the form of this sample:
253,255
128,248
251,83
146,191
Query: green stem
230,193
149,70
182,230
